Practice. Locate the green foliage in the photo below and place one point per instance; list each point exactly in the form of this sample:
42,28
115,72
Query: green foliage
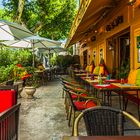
50,18
34,79
6,73
53,60
8,60
64,61
4,16
70,50
12,56
123,70
30,69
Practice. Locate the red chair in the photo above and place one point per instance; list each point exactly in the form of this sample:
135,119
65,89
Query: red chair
8,97
82,103
9,111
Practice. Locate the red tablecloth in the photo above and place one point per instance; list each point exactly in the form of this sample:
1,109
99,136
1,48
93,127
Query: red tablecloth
106,86
7,99
112,81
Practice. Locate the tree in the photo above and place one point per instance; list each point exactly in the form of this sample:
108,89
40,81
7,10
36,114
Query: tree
48,18
20,10
3,16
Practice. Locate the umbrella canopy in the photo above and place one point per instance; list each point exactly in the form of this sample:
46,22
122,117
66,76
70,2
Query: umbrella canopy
51,49
13,31
32,41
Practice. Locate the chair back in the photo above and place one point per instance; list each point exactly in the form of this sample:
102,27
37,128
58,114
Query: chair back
11,87
69,96
103,121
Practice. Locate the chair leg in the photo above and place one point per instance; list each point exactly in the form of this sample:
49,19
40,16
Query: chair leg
125,104
69,116
67,106
73,120
63,93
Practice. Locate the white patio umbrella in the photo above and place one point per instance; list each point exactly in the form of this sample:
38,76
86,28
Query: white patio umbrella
13,31
51,49
32,42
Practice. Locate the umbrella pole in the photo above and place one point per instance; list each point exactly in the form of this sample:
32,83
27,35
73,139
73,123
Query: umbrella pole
33,56
49,57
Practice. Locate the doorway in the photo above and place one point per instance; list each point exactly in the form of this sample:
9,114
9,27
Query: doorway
124,49
118,53
123,54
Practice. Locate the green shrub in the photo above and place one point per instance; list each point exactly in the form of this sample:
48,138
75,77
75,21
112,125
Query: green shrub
6,73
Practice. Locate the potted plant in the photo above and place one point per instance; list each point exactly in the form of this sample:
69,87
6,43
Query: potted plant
123,71
17,74
30,86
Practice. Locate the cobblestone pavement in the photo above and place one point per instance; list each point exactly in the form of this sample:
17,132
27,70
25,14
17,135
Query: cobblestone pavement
44,118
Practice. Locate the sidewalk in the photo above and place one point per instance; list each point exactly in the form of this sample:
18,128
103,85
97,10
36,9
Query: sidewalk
43,118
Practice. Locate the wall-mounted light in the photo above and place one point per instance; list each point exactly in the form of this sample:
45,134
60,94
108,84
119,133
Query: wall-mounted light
131,2
111,47
111,44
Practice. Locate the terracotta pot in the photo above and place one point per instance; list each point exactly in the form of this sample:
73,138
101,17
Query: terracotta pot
30,92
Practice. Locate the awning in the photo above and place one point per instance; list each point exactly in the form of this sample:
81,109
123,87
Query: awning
87,21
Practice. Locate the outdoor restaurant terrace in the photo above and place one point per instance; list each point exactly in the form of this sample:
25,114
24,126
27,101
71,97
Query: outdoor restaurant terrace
84,88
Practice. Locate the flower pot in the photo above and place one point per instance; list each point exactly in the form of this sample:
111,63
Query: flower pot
30,91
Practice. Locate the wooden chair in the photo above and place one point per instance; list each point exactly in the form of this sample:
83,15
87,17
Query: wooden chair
103,120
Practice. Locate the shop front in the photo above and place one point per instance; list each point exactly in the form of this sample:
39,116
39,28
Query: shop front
108,29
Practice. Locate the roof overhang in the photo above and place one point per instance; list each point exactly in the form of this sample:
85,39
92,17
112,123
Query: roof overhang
90,13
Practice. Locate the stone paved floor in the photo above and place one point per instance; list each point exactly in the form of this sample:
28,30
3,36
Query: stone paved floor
44,118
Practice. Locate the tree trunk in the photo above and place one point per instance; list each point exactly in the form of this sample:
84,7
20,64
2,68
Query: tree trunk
21,4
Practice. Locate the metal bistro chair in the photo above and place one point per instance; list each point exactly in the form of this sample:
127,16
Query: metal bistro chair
76,106
104,121
75,95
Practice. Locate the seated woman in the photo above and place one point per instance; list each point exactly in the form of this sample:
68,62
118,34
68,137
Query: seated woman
40,67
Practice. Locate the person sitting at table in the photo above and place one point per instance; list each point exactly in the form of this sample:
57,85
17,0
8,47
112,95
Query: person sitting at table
101,69
90,68
40,67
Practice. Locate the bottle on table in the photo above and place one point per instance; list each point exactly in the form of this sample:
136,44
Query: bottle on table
100,80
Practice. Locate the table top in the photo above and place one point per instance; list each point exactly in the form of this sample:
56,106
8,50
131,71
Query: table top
102,138
105,87
111,84
126,85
